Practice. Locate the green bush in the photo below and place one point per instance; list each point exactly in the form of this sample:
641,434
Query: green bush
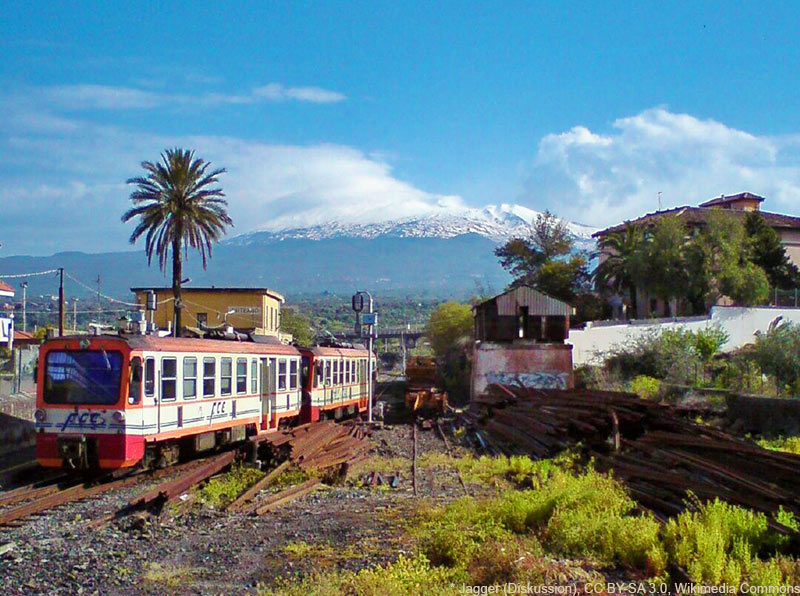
572,515
721,543
777,353
646,387
676,355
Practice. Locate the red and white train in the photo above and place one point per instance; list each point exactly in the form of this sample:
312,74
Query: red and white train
119,401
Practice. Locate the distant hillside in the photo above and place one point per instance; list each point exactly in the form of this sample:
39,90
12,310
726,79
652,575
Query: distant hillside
437,267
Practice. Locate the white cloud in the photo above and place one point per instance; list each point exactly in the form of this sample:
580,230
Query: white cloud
602,179
105,97
70,184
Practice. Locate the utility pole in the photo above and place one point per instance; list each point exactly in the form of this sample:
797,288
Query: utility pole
370,319
97,281
24,285
60,301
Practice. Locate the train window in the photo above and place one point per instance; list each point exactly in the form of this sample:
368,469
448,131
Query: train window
282,374
254,376
135,382
350,372
189,377
225,376
328,373
209,377
304,371
241,375
318,369
293,374
169,378
149,377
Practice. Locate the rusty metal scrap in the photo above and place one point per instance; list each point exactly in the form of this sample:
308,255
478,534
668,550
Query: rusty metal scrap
662,457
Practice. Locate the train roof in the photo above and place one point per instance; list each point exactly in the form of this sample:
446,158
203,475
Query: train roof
152,343
326,352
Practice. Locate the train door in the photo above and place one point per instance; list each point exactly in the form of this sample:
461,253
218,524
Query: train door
268,387
266,410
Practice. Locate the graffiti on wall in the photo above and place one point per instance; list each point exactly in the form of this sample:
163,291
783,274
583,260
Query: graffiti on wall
534,380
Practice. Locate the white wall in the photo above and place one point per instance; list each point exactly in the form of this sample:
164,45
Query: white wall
741,324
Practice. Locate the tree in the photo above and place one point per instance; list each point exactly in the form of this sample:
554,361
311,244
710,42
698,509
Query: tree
622,267
178,205
449,330
448,326
664,270
767,252
298,325
719,264
546,260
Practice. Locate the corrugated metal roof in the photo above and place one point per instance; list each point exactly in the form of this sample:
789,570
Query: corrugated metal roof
538,304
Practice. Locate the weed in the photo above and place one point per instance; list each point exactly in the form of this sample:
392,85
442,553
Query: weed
572,515
167,576
290,477
221,490
721,543
405,577
788,444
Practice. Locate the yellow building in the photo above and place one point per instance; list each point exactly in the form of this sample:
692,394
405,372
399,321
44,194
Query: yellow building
251,309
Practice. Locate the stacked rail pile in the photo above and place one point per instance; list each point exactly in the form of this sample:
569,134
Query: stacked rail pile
320,445
658,454
311,446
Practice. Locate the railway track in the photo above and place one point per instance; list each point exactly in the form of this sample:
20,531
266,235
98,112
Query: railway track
315,446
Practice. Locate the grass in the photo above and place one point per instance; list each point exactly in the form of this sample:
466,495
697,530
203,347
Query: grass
290,477
553,525
408,576
787,444
223,489
583,515
168,576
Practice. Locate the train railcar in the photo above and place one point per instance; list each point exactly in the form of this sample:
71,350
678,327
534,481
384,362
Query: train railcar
117,401
336,382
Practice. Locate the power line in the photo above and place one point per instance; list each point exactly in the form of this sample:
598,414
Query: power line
34,274
94,291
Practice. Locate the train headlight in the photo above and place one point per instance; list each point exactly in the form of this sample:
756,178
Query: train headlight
40,415
119,417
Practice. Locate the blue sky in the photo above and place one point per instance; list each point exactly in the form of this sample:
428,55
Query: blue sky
362,111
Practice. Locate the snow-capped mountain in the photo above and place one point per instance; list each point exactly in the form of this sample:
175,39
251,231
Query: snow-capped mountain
495,222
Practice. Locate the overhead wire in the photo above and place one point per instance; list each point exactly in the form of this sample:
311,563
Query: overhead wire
33,274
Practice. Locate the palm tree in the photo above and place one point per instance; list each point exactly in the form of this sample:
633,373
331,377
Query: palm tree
178,205
621,269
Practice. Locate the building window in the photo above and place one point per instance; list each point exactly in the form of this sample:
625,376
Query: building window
282,375
225,376
189,378
169,372
254,376
293,374
202,320
241,375
209,377
149,377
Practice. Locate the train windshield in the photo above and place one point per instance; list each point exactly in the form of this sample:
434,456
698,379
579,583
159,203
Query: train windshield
82,377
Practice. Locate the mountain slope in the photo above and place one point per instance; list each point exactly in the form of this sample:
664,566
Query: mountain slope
449,254
495,222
